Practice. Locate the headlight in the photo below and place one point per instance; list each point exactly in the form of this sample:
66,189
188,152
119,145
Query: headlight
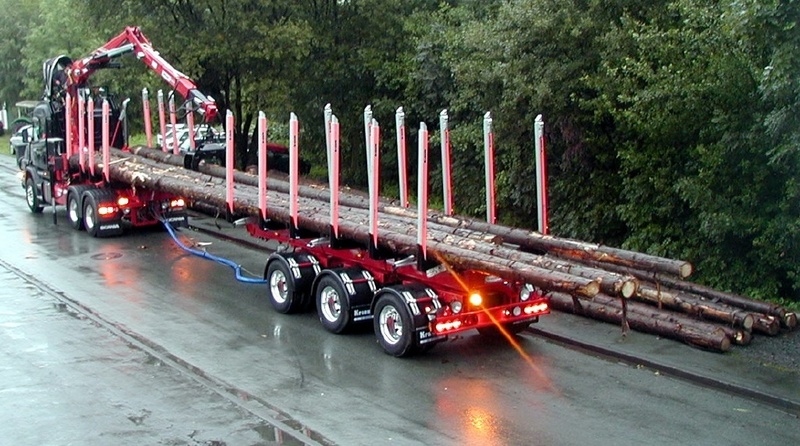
525,292
456,307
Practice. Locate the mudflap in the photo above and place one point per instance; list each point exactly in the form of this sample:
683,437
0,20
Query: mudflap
178,219
111,228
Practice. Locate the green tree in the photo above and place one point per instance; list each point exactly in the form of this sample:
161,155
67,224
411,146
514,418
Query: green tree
16,23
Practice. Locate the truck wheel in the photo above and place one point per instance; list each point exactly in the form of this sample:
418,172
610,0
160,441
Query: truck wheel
333,306
393,326
32,197
281,288
90,219
74,211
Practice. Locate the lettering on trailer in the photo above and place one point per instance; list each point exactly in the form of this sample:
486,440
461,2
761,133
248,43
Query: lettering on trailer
362,314
171,219
425,336
111,226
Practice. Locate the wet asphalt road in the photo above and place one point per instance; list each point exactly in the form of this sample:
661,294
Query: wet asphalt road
175,351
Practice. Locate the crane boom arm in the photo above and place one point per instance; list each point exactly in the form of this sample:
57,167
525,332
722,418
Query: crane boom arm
132,40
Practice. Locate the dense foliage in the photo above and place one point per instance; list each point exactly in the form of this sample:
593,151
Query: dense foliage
673,125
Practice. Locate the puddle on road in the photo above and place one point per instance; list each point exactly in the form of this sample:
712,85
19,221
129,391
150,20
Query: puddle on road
107,256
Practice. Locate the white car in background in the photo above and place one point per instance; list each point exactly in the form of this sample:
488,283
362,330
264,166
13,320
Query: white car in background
201,132
169,132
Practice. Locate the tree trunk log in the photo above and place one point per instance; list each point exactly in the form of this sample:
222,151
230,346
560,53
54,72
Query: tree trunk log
785,318
695,306
695,333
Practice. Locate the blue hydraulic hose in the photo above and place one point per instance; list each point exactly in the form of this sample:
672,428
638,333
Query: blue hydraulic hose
237,268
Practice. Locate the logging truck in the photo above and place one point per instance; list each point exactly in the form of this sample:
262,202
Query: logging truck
75,118
413,300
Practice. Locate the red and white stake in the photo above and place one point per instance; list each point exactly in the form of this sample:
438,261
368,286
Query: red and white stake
229,150
262,164
402,158
81,132
368,139
374,180
422,192
162,120
294,149
447,179
90,119
173,119
488,143
333,175
148,124
327,114
106,144
541,175
68,118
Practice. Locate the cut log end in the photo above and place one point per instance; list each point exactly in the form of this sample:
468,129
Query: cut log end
686,270
725,344
591,289
789,321
746,321
629,288
742,337
767,325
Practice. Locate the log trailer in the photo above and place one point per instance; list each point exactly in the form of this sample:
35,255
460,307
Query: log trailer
74,118
412,300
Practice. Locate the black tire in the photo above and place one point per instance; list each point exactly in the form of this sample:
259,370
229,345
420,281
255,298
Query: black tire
394,327
281,288
74,208
511,329
32,196
333,305
90,218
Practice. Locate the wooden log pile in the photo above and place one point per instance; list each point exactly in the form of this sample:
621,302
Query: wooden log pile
644,292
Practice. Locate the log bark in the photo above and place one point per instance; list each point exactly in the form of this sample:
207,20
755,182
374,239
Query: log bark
738,335
695,306
785,318
706,336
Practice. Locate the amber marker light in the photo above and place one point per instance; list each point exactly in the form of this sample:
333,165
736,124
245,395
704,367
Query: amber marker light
475,299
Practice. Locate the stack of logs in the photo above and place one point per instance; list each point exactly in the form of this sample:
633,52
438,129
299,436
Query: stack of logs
640,291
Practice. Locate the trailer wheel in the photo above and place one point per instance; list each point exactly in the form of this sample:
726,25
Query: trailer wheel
32,197
281,288
394,326
333,306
